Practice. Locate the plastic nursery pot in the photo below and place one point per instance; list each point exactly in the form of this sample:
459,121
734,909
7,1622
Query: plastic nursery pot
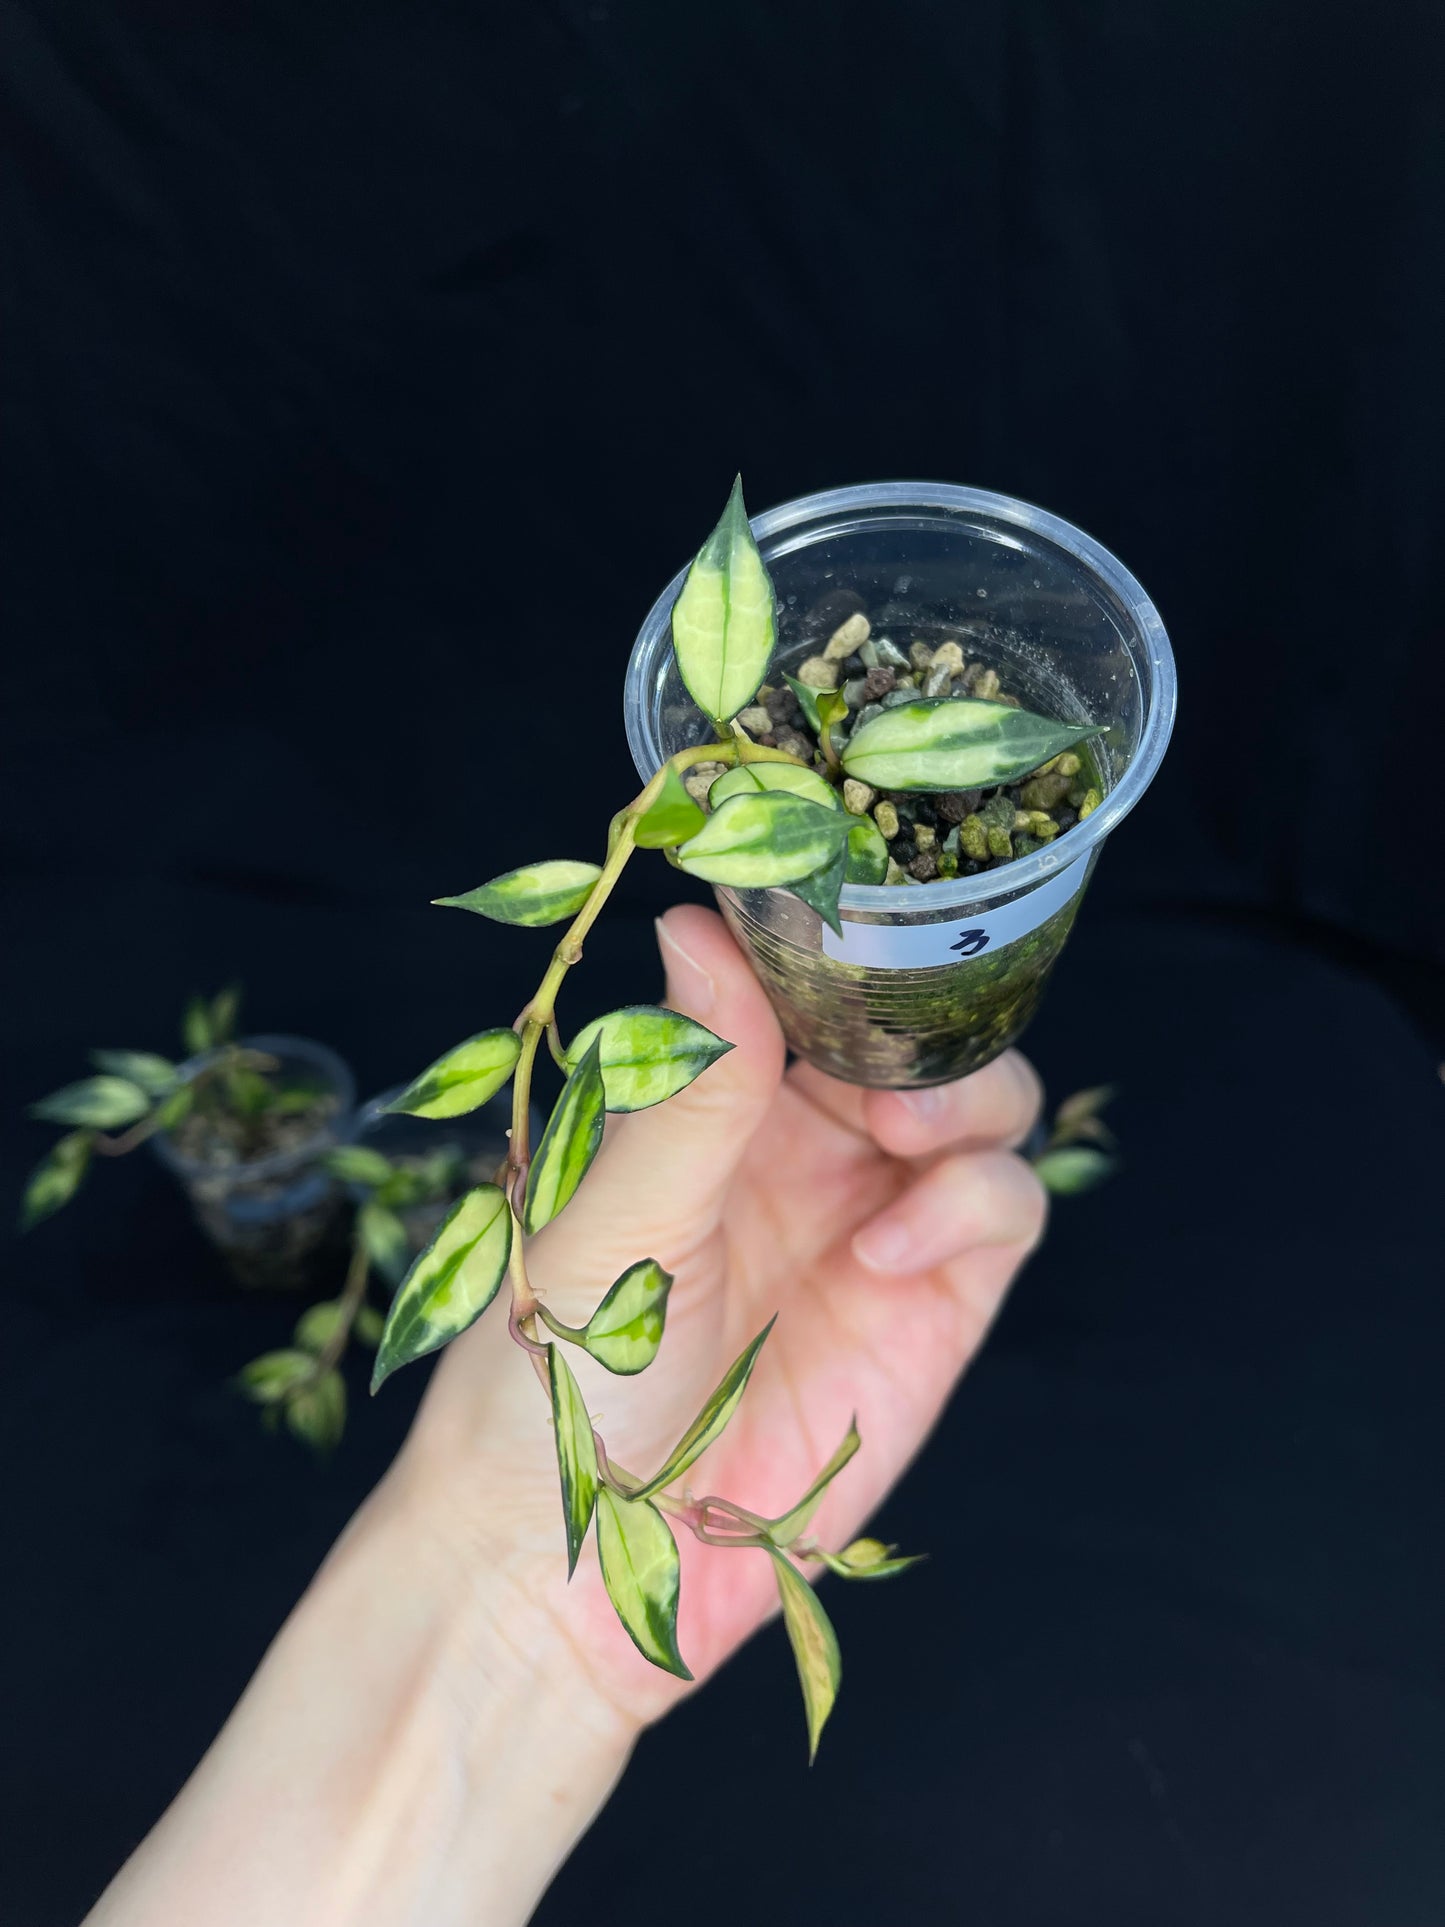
269,1214
931,981
477,1144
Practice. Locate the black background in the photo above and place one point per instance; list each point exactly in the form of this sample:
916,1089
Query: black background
367,369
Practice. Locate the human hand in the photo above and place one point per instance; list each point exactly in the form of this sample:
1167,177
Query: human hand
882,1228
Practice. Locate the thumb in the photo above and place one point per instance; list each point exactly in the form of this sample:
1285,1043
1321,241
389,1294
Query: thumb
663,1174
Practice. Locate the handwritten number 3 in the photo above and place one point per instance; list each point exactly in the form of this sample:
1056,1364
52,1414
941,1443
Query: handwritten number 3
970,943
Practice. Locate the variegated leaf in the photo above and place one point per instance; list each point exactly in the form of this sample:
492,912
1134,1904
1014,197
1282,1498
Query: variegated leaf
626,1329
713,1417
794,1522
56,1179
820,891
156,1075
576,1453
385,1238
98,1103
641,1571
866,1559
537,894
451,1282
815,1648
745,779
867,852
268,1379
955,743
722,622
357,1164
648,1054
569,1143
764,841
463,1078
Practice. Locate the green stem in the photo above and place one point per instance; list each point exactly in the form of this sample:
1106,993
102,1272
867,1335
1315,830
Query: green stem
352,1296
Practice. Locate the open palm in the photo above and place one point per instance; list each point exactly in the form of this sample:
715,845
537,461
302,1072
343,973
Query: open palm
882,1231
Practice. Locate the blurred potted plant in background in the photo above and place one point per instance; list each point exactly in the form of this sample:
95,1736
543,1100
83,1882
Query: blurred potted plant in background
243,1123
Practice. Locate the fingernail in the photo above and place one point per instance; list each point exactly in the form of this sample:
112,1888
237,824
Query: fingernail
883,1246
688,984
927,1105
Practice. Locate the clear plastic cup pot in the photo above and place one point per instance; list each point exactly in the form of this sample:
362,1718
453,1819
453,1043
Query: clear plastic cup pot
274,1218
931,981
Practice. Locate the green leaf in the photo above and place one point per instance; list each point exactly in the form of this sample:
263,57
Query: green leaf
462,1079
368,1326
451,1283
536,894
808,699
1073,1168
172,1109
815,1648
317,1414
56,1179
866,1559
711,1420
576,1453
783,1531
156,1075
820,891
626,1329
196,1027
672,816
384,1235
569,1143
764,841
745,779
641,1571
955,743
867,852
722,622
831,706
648,1054
247,1092
1083,1106
318,1325
357,1164
268,1379
99,1103
225,1008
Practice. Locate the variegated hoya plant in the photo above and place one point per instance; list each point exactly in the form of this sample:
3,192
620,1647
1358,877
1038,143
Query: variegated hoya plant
772,822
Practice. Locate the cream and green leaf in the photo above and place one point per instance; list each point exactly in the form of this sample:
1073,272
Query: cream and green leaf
671,817
955,743
815,1647
746,779
641,1571
626,1329
711,1420
648,1054
576,1453
783,1531
570,1142
155,1074
722,622
104,1103
451,1282
463,1078
765,841
537,894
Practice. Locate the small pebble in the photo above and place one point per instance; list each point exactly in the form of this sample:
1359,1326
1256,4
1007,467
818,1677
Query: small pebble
846,637
818,673
795,743
1091,802
858,798
920,655
938,681
985,686
867,713
973,838
855,692
886,817
1000,843
904,850
924,837
895,697
700,779
1066,819
954,805
1043,792
895,873
1068,764
948,656
755,720
889,652
924,866
1025,845
878,682
947,863
782,705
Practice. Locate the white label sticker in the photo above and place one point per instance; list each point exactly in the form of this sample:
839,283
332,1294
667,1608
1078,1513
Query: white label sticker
924,946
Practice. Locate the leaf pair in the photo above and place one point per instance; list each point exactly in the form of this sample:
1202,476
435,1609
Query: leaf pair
773,839
635,1546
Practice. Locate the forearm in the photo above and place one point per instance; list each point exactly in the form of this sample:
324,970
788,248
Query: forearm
399,1757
